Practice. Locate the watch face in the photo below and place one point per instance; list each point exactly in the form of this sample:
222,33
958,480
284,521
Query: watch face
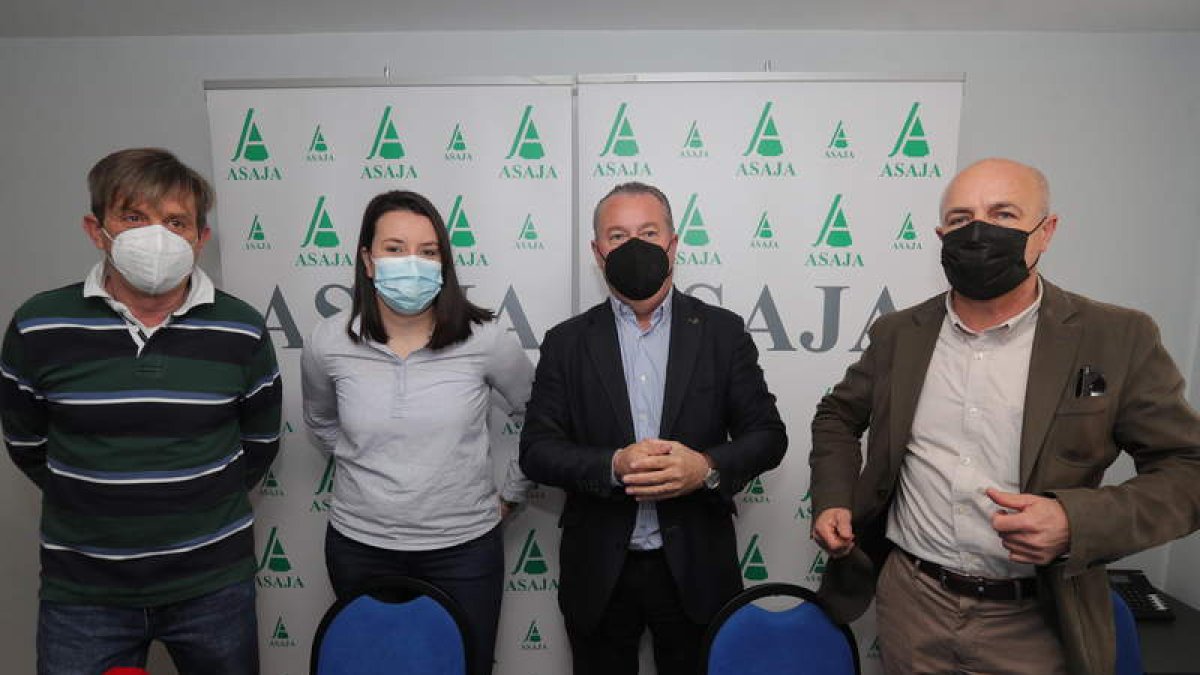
712,479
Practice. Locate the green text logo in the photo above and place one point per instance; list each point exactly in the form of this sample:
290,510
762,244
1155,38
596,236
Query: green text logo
817,569
693,144
527,238
280,636
765,142
533,637
906,238
322,235
839,144
527,143
387,144
804,511
527,147
911,144
318,148
323,495
753,567
252,148
270,486
755,492
764,234
835,234
274,567
621,141
321,232
256,239
462,237
456,149
250,145
531,573
694,233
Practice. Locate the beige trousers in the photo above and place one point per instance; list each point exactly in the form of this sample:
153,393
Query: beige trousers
925,629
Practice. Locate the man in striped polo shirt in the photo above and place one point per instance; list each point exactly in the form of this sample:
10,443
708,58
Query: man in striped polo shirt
145,404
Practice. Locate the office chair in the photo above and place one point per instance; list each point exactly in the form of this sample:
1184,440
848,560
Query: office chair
745,639
1129,647
394,625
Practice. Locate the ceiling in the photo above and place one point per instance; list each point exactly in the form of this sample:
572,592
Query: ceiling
71,18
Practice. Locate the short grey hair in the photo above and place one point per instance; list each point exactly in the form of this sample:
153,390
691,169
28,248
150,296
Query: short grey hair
633,188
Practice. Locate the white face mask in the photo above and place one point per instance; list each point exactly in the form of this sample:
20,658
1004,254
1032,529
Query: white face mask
152,258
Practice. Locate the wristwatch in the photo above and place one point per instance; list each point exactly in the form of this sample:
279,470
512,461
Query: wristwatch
712,479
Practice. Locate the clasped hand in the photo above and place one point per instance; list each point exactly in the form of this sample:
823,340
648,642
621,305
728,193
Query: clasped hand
654,469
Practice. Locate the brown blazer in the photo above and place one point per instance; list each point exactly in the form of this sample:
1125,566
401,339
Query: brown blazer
1067,442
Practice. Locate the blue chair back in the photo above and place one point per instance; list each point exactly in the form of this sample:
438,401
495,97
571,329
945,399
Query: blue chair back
745,639
395,625
1129,647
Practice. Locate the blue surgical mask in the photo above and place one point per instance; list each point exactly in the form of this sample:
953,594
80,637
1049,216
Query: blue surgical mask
408,284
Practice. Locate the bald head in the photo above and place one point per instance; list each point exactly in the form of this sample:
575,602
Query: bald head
1001,178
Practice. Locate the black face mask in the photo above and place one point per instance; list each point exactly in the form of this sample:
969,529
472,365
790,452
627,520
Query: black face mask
984,261
637,268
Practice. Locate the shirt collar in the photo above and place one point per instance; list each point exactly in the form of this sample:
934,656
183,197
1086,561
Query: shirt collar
201,290
1010,326
660,314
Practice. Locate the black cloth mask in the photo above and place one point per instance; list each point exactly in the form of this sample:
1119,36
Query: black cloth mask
637,268
984,261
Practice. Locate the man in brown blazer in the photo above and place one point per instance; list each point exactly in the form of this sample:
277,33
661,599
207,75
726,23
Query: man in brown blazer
977,521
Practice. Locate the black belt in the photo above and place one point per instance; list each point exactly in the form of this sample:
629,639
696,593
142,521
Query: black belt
976,587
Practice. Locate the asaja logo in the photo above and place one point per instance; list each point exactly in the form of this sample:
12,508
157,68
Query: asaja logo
906,238
256,239
693,234
834,241
270,486
456,149
386,150
817,569
873,650
531,573
754,568
462,237
280,636
527,146
765,143
911,144
274,567
804,511
253,149
528,238
755,492
693,144
533,637
323,237
318,148
839,144
764,234
620,143
512,427
323,495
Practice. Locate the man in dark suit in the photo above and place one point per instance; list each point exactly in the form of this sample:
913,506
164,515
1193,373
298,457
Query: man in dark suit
977,520
651,411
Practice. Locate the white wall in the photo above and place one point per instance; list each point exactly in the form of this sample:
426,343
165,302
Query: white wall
1111,119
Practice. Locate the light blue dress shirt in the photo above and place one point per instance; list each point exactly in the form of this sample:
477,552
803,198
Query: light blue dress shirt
644,359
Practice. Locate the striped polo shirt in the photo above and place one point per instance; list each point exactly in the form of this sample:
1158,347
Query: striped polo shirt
144,442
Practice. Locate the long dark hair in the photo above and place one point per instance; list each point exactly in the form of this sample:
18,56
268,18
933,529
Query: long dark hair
453,314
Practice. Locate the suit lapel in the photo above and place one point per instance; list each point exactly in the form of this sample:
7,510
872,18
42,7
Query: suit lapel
605,352
1051,364
687,326
910,361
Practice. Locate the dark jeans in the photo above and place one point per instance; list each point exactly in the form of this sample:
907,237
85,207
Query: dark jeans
644,596
472,573
214,633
